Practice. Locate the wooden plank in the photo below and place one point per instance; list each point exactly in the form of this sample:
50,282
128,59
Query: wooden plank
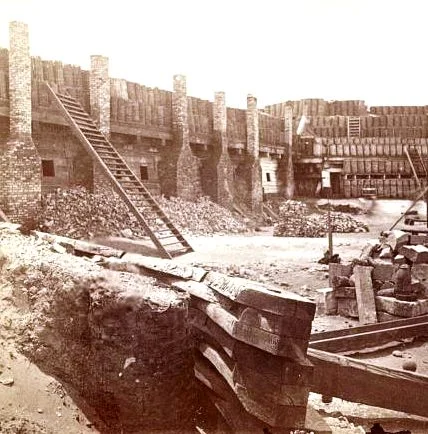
261,405
279,325
258,385
368,339
81,246
209,376
365,295
260,296
368,328
357,381
278,369
291,347
166,266
3,216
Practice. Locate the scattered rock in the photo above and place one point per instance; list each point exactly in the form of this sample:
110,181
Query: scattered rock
8,381
409,365
397,353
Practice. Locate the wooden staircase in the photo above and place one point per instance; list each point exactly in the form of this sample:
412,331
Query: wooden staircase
127,185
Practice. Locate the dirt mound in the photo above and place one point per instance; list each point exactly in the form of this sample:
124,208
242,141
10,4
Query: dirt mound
80,214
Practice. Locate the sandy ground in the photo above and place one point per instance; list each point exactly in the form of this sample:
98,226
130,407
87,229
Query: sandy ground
37,403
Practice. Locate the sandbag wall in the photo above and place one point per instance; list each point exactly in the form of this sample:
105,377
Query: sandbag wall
250,344
378,162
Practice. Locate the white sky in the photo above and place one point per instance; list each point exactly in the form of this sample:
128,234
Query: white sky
277,50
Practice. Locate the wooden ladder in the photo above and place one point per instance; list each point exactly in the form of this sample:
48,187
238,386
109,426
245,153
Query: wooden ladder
416,161
127,185
354,126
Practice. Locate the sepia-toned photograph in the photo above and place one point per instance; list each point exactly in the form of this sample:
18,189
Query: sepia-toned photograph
213,217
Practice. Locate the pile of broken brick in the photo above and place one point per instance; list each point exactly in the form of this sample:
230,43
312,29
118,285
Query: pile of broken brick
388,281
296,221
80,214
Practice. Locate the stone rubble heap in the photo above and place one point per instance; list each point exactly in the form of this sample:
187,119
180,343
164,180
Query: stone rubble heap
382,259
80,214
295,221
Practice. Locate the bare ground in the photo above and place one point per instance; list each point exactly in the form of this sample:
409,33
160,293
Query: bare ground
37,403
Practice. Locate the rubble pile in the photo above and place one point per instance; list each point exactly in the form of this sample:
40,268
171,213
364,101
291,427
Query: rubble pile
295,221
396,268
349,208
202,217
77,213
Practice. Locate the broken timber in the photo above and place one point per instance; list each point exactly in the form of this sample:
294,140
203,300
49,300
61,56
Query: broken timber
358,381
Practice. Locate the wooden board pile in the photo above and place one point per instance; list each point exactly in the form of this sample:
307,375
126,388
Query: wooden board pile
381,261
296,222
251,346
79,214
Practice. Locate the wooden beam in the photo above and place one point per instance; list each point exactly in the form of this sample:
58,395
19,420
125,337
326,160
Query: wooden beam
373,338
357,381
315,337
3,216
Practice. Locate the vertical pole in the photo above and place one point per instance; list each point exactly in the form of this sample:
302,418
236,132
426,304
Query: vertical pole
330,234
426,204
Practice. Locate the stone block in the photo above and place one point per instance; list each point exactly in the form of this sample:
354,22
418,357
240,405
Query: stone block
347,307
345,292
399,260
417,254
420,272
383,271
326,301
386,253
365,294
418,239
395,239
338,270
404,309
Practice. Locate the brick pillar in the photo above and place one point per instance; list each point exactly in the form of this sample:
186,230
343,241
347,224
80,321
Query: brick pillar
253,160
99,97
99,93
20,163
188,165
288,164
224,163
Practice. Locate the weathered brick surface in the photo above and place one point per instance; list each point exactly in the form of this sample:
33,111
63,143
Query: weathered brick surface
20,163
224,179
99,95
188,166
73,165
99,88
253,141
